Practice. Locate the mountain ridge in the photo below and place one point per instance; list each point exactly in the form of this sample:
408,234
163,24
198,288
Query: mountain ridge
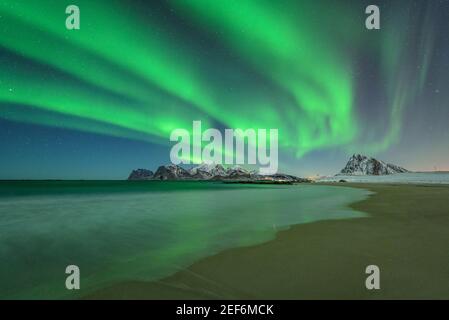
359,164
212,172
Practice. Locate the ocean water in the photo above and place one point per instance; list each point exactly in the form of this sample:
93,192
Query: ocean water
118,231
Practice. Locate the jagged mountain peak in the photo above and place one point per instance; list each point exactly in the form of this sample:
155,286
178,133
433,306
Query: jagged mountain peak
170,172
210,172
140,174
359,164
209,169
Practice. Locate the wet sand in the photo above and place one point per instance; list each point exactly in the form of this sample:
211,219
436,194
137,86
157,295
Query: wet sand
406,235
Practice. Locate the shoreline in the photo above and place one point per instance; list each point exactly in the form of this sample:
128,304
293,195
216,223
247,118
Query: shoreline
405,235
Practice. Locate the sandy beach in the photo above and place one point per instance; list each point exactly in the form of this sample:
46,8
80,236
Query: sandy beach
406,235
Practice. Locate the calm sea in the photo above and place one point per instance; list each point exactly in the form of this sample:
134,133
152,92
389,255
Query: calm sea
117,230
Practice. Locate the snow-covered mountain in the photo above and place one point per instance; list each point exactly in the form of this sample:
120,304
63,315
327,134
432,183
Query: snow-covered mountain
210,172
362,165
237,172
201,172
218,172
171,172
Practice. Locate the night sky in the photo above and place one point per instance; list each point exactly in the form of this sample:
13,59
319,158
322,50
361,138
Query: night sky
97,102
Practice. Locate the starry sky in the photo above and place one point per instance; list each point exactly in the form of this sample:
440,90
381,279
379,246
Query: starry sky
97,102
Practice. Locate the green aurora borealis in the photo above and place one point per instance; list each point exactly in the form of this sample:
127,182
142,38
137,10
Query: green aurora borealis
137,71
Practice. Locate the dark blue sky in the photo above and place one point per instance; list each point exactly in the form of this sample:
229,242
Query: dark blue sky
398,80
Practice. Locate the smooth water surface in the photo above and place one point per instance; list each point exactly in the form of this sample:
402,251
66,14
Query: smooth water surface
117,230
